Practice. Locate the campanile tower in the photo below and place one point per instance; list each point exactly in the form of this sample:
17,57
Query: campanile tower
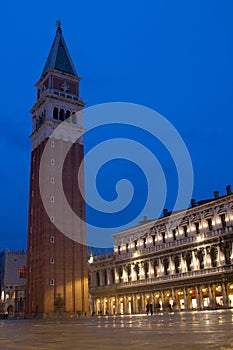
57,264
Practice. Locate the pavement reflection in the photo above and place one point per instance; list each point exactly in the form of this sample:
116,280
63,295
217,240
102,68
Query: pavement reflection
181,331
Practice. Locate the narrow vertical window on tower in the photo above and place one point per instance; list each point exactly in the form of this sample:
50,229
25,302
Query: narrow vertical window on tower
61,115
55,113
67,114
52,282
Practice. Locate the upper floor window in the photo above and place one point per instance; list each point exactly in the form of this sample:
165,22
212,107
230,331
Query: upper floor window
22,272
127,247
174,234
163,235
197,227
144,242
185,228
223,220
210,225
153,239
136,245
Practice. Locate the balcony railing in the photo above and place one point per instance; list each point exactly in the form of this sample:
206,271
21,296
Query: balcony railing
63,94
105,256
167,278
178,276
197,238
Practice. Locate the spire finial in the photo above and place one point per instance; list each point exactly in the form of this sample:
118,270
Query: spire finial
58,24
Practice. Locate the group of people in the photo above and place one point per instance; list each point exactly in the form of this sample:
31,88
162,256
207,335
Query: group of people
149,309
4,315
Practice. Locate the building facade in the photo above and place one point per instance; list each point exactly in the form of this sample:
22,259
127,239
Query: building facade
12,282
177,262
57,268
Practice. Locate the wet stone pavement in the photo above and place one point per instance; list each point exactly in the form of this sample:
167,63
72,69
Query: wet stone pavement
179,331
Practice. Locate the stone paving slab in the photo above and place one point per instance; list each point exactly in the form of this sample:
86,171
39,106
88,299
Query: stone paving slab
210,330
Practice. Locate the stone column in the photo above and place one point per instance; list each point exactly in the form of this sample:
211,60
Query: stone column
143,302
151,269
108,306
207,262
211,301
141,271
160,269
152,299
198,297
134,304
218,256
125,276
185,299
171,266
109,277
183,264
225,296
117,305
101,306
221,259
116,276
195,263
214,295
94,305
125,306
174,299
162,298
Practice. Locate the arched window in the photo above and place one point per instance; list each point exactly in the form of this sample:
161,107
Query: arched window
67,114
61,114
55,113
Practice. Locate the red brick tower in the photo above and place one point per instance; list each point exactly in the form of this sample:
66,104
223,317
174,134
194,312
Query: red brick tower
57,265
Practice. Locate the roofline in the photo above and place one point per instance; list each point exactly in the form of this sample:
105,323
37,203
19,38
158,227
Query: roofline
171,214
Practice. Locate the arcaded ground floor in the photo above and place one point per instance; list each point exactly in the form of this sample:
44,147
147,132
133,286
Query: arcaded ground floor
197,297
203,330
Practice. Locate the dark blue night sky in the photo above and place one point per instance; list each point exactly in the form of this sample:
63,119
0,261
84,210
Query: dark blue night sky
175,57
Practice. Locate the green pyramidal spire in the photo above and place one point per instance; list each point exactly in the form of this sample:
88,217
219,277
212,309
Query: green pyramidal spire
59,57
